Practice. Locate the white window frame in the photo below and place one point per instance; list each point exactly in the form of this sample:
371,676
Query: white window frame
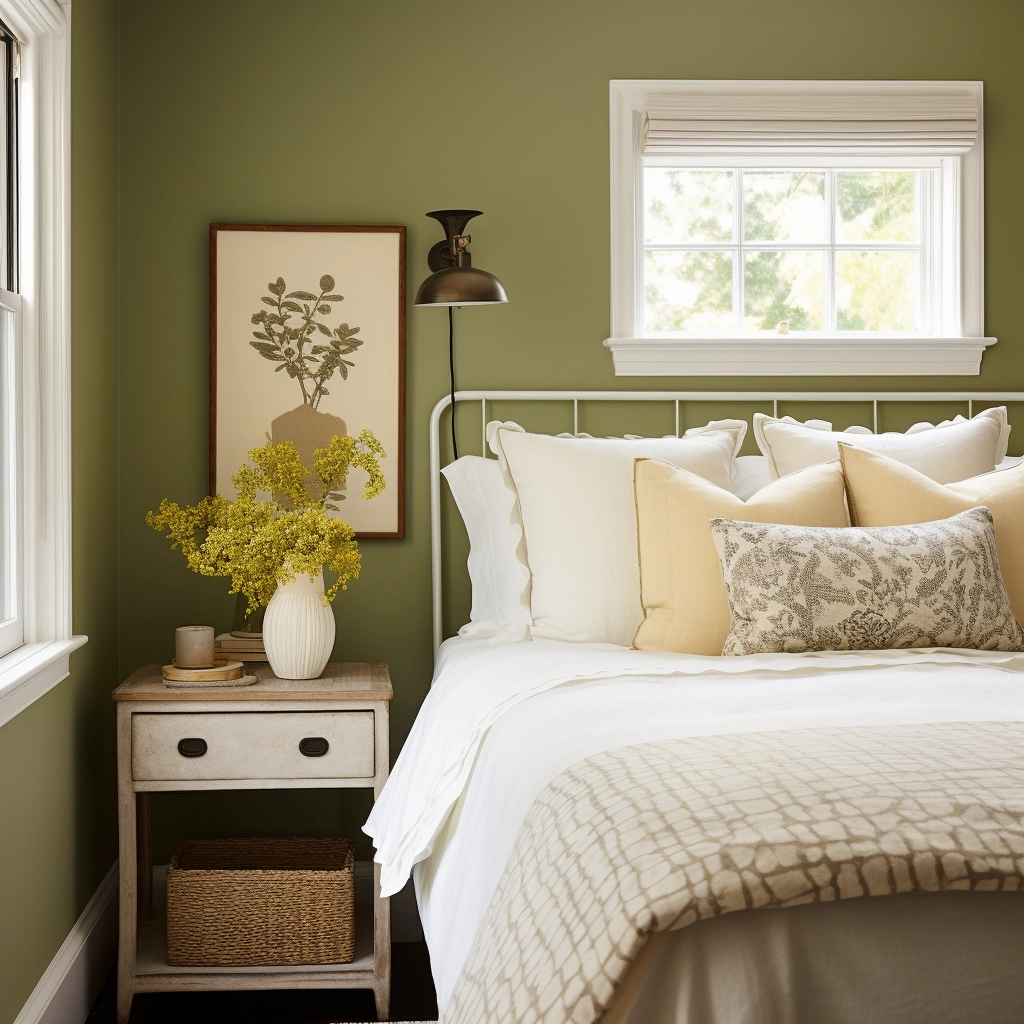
951,340
42,661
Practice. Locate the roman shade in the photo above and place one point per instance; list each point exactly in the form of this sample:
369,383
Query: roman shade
909,118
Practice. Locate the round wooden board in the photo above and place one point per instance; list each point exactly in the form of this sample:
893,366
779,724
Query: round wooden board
222,670
194,684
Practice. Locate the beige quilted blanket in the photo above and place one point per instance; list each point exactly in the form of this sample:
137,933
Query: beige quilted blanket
657,836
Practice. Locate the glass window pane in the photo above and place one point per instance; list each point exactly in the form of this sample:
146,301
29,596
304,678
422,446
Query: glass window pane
687,206
688,291
784,206
784,286
876,206
876,291
5,256
8,525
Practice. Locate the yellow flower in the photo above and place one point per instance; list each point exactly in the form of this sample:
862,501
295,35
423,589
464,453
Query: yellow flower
260,544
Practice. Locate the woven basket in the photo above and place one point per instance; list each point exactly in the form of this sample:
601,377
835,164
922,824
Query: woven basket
253,902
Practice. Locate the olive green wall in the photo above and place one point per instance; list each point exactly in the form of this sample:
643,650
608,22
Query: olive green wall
58,823
321,111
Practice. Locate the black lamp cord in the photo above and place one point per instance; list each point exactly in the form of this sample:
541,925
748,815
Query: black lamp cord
451,372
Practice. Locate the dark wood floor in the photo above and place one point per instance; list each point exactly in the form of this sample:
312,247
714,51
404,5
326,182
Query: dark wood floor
412,998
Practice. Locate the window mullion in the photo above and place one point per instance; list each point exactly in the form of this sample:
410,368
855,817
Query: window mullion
738,299
830,254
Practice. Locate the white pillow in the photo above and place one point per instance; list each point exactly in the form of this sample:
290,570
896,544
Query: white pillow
579,520
498,572
750,474
955,450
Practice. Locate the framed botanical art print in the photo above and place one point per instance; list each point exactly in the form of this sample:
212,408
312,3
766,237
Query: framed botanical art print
307,340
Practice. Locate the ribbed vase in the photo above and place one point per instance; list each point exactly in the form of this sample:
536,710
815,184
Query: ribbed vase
298,629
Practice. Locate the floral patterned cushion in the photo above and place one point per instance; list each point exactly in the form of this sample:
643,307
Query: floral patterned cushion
798,588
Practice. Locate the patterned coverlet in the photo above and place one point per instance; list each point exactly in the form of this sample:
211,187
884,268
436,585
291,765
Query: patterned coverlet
658,836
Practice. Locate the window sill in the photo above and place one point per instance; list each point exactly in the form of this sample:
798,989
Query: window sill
32,669
796,356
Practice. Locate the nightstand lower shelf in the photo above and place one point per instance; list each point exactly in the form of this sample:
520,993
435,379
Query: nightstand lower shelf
154,974
252,738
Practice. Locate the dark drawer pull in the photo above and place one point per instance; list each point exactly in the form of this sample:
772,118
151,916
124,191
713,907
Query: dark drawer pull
193,746
314,746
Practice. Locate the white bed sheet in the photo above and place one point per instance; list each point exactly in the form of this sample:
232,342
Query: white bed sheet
502,720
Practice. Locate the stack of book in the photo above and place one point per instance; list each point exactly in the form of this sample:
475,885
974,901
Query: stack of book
241,648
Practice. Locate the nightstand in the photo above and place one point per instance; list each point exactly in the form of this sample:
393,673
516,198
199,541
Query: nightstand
254,737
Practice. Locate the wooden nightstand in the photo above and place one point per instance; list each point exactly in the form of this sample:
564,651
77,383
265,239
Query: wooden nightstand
250,738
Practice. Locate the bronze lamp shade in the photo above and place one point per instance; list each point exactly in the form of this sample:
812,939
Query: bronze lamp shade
460,286
456,282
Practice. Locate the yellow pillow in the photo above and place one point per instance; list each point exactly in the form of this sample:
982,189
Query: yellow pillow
886,493
681,585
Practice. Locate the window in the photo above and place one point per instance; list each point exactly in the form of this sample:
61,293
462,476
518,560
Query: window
796,227
35,444
12,626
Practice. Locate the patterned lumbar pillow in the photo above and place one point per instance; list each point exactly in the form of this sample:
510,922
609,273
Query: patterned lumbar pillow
883,492
794,588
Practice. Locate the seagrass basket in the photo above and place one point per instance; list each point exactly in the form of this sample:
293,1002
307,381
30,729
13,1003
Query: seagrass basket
255,902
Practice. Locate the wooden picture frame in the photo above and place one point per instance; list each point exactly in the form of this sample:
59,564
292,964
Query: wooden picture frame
259,270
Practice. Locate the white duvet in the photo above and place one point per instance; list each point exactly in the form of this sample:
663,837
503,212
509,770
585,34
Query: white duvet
502,720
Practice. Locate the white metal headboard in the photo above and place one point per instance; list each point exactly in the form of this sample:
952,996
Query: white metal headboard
678,398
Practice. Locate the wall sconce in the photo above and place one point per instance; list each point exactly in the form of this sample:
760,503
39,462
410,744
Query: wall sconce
454,281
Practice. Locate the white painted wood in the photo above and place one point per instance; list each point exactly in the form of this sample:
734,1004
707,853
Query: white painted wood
126,835
796,355
27,673
952,281
677,398
69,986
345,680
405,916
43,26
382,904
364,731
255,745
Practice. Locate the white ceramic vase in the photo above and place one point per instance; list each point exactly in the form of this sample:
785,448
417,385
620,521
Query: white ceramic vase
298,629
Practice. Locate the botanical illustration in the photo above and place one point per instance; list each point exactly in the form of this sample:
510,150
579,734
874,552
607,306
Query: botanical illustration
296,336
307,344
261,543
286,344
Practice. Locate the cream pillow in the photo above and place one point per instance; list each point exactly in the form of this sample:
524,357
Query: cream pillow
799,588
883,492
575,500
683,594
952,451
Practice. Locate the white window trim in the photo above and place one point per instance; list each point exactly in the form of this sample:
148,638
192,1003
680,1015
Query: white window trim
948,352
43,27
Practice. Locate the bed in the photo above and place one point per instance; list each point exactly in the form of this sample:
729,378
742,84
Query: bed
576,816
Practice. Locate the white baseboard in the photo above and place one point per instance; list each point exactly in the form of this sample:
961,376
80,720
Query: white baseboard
69,986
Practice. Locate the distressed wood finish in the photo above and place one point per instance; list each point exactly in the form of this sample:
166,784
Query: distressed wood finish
345,680
348,705
253,745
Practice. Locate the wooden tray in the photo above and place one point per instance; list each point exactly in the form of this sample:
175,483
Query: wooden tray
222,670
210,684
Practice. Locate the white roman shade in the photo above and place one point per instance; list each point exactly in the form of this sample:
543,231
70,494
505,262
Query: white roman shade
912,118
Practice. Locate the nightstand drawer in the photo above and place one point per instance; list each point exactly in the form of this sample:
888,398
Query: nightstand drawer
253,745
